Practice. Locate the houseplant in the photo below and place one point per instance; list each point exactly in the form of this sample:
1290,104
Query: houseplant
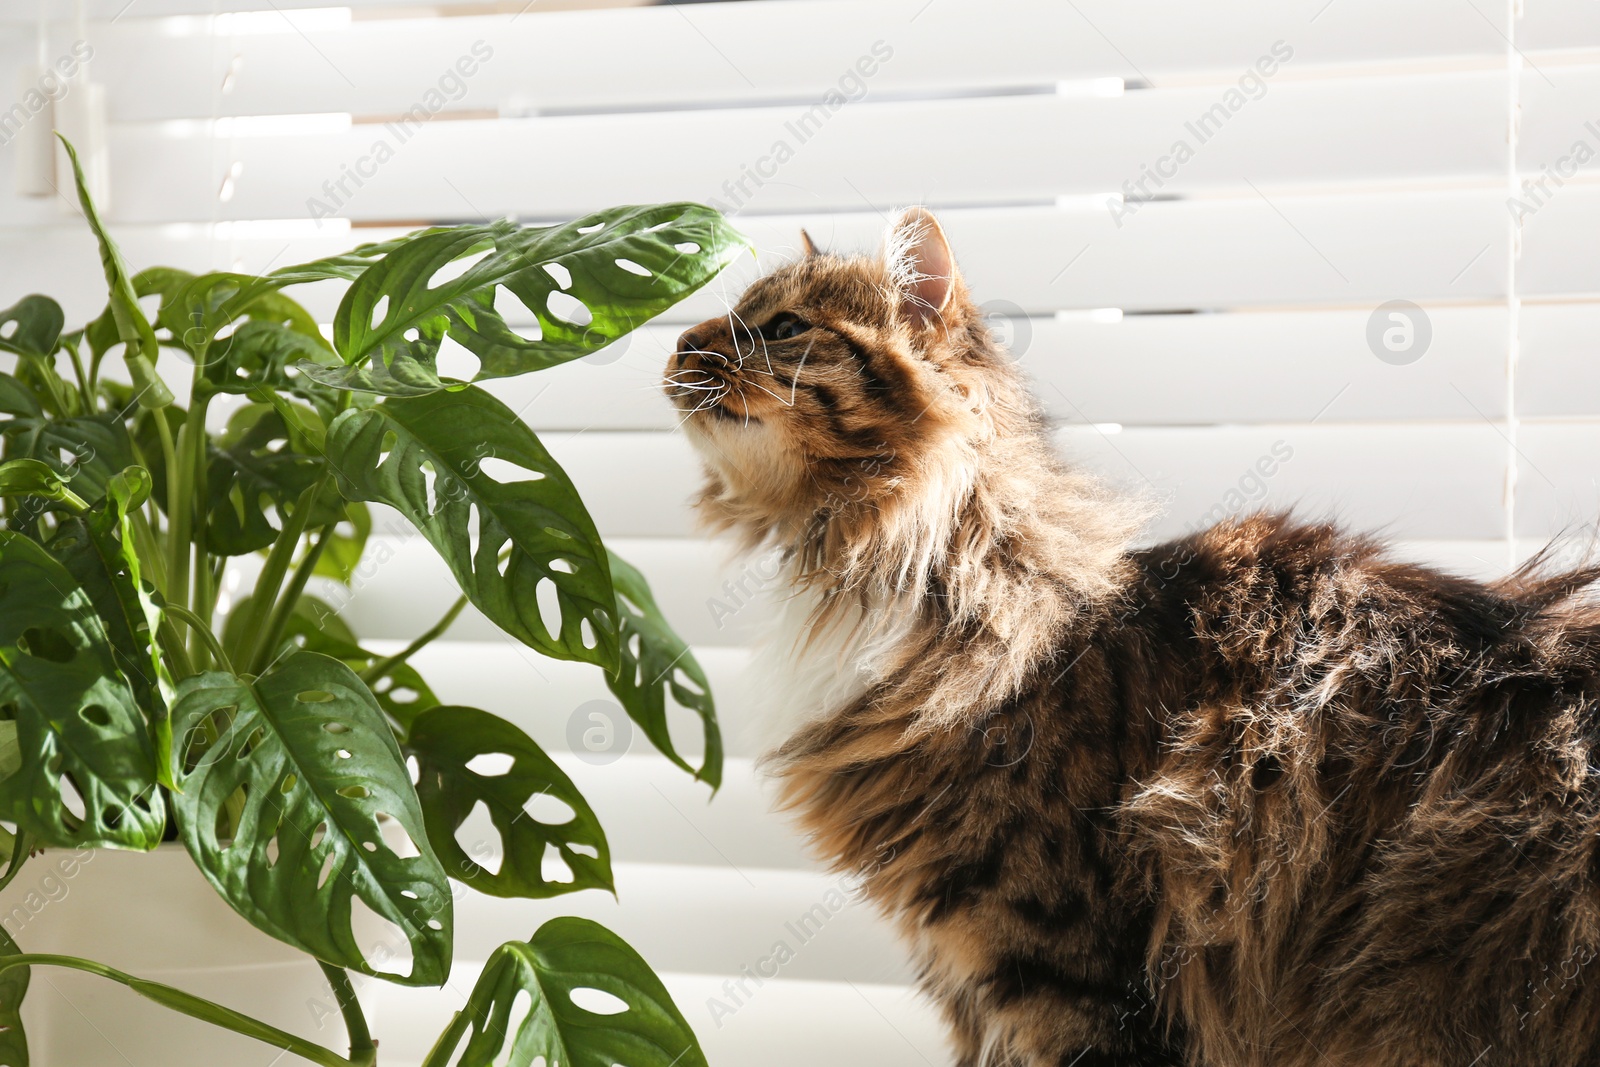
271,743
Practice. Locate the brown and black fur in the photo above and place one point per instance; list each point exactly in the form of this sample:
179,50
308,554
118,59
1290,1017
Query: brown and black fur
1261,796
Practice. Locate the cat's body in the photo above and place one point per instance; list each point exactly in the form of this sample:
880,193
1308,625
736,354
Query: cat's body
1256,798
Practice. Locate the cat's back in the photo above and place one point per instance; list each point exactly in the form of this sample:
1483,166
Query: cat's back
1373,814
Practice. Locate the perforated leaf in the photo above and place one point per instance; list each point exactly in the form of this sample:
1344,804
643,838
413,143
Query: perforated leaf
85,450
467,757
433,458
257,470
97,548
587,283
318,766
31,327
655,662
88,773
562,968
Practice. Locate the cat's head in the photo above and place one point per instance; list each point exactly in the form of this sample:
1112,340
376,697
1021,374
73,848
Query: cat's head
843,384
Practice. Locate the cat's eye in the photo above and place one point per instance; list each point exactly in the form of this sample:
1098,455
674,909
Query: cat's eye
784,326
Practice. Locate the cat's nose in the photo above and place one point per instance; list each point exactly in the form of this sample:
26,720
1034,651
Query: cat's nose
693,339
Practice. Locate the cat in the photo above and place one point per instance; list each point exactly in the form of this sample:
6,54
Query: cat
1258,797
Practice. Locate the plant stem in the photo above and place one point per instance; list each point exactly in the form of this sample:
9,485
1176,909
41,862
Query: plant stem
439,1055
83,383
200,602
253,629
169,461
284,609
198,627
363,1050
173,648
187,1004
375,672
149,550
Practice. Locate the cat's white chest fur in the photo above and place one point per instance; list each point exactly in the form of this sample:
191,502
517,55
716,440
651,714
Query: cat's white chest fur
804,671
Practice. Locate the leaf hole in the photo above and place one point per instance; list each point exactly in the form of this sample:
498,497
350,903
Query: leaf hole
491,764
586,629
688,248
480,839
343,753
352,792
633,268
456,360
562,566
595,228
553,866
583,850
597,1001
47,643
506,472
315,696
562,276
289,782
549,602
559,535
95,715
380,311
549,810
327,868
569,308
337,727
319,834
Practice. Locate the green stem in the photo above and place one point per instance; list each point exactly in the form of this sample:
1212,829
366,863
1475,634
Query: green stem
198,627
149,549
439,1055
375,672
187,1004
363,1050
284,610
264,598
169,462
172,646
199,602
83,382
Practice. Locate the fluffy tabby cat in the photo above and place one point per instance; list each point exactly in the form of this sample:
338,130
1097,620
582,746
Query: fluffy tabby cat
1260,797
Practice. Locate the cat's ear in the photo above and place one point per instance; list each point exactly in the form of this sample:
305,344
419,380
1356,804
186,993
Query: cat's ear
920,262
807,243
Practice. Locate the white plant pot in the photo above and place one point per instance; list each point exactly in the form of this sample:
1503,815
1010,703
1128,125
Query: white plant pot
154,916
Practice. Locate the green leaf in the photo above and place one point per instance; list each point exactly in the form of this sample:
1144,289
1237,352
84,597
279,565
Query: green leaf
318,766
17,399
258,463
565,956
97,548
13,988
77,721
133,329
656,661
445,742
86,450
38,321
385,453
572,278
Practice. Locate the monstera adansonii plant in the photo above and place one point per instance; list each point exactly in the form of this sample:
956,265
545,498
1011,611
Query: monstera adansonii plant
291,762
